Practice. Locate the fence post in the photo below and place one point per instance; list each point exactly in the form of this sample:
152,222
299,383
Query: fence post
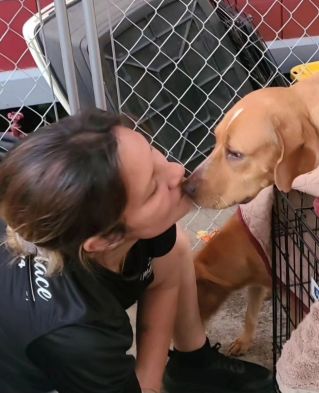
94,53
67,56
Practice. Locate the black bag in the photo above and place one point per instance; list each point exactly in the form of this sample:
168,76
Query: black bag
252,50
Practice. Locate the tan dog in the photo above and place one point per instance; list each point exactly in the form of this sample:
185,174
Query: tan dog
270,136
227,263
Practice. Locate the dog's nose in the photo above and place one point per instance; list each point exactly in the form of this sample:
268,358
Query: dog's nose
192,184
189,187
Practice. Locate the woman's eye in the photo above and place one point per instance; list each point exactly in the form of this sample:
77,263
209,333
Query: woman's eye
234,155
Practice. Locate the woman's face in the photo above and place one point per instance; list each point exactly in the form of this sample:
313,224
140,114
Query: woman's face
153,185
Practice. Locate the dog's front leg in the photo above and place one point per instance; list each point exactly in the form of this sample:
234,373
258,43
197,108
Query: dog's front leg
256,296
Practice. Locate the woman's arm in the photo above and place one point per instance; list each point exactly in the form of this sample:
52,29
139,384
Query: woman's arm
156,315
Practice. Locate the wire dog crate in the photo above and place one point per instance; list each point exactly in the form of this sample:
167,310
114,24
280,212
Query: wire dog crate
295,262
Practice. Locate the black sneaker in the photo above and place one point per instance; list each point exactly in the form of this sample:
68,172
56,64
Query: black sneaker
217,374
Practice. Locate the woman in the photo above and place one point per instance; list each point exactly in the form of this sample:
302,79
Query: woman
90,211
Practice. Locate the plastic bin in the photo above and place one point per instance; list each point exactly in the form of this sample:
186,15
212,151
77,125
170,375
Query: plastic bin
304,71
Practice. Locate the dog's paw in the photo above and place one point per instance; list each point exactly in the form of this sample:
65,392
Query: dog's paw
239,347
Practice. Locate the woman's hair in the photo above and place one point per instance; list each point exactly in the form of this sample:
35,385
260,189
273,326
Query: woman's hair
62,185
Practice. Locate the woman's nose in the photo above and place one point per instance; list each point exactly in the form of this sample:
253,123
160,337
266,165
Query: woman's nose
176,175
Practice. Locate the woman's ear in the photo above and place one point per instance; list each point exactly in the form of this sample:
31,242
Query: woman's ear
100,243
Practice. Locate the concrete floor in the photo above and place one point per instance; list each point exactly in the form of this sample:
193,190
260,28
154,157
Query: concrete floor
226,325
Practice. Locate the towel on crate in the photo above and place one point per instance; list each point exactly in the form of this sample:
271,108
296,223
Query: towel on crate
298,366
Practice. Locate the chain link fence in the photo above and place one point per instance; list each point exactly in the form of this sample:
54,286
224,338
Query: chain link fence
25,98
173,67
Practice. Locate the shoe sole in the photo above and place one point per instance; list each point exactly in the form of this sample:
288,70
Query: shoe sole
171,387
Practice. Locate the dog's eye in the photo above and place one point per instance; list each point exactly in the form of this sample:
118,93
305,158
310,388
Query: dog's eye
234,155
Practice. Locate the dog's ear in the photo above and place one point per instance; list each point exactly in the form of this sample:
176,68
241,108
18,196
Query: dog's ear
299,152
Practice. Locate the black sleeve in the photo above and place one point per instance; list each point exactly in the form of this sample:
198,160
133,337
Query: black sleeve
80,359
162,244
